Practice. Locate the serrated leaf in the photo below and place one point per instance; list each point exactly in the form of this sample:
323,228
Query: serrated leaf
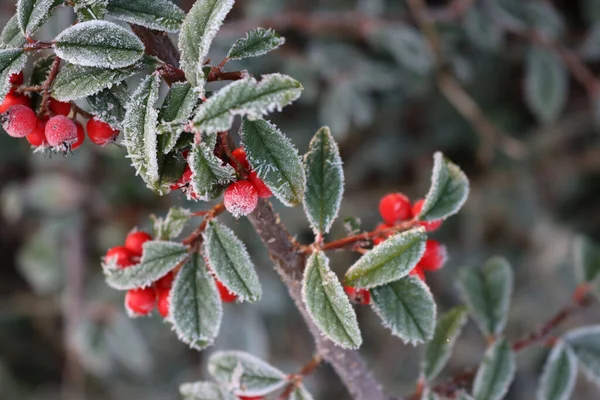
89,10
585,344
389,261
11,61
559,375
98,44
109,104
209,174
327,304
229,260
407,308
246,97
197,33
275,159
176,109
324,181
32,14
587,259
408,47
448,192
160,15
159,258
173,224
205,391
257,42
496,372
546,84
11,36
439,348
195,306
487,292
245,374
300,393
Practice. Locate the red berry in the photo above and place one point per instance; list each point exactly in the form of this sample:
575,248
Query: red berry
60,107
166,281
17,79
361,296
19,121
394,207
163,301
429,226
122,255
186,177
140,301
80,136
226,295
263,190
100,132
240,198
239,155
37,138
12,99
434,257
418,272
251,397
135,240
60,131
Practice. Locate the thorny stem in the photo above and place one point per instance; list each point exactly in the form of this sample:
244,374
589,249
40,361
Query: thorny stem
47,84
35,45
208,215
296,379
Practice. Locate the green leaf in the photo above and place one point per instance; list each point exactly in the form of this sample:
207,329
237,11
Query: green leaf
407,308
11,61
109,105
209,174
228,258
275,159
429,394
11,36
327,304
257,42
300,393
324,181
408,47
481,30
448,192
205,391
160,15
446,332
496,372
585,344
546,84
159,258
245,374
173,224
246,97
32,14
195,306
388,261
176,109
487,292
352,225
98,44
89,10
197,32
559,375
587,259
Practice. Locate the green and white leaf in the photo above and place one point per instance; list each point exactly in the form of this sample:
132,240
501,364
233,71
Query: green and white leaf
209,174
327,304
159,258
173,224
160,15
448,191
89,10
487,292
258,41
32,14
406,307
98,44
546,84
11,61
300,393
587,259
275,159
389,261
559,375
109,105
429,394
585,344
176,109
246,97
228,258
205,391
496,372
11,35
245,374
481,30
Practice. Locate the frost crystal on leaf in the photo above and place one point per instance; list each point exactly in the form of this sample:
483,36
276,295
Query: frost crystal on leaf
205,391
209,175
11,61
585,344
495,373
559,375
11,36
89,10
32,14
161,15
257,42
173,224
176,109
109,105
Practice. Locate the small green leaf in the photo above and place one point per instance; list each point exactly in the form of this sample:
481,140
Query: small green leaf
275,159
300,393
11,61
327,304
388,261
352,225
481,30
246,97
487,292
205,391
546,84
587,257
11,36
559,375
176,109
438,350
173,224
585,344
209,174
109,105
448,192
161,15
407,308
32,14
159,258
98,44
324,181
228,258
245,374
496,372
89,10
257,42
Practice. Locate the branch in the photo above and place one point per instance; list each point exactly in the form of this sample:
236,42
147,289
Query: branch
296,379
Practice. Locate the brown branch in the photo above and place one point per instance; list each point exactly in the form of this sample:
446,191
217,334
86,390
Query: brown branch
47,85
296,379
208,215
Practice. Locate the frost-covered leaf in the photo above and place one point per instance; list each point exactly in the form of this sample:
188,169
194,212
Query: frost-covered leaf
408,47
546,84
109,104
209,174
173,224
11,36
32,14
587,259
327,304
205,391
324,181
487,292
448,192
246,97
481,30
229,260
98,44
176,109
352,225
89,10
300,393
161,15
406,307
389,261
11,61
429,394
245,374
559,375
257,42
159,258
275,159
495,373
585,344
197,33
439,348
195,306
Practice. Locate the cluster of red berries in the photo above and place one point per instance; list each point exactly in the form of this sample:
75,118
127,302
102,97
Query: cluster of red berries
241,197
57,133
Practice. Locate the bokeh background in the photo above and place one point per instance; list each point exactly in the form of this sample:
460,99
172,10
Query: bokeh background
63,332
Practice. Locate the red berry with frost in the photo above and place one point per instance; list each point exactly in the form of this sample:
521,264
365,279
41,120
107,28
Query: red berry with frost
225,294
60,131
134,242
100,132
121,255
80,136
37,138
140,301
361,296
59,107
394,207
429,226
17,79
12,99
434,257
239,155
263,190
166,281
163,301
19,121
240,198
418,272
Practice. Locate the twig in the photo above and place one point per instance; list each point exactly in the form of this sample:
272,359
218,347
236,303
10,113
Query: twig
296,379
208,215
47,84
81,111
